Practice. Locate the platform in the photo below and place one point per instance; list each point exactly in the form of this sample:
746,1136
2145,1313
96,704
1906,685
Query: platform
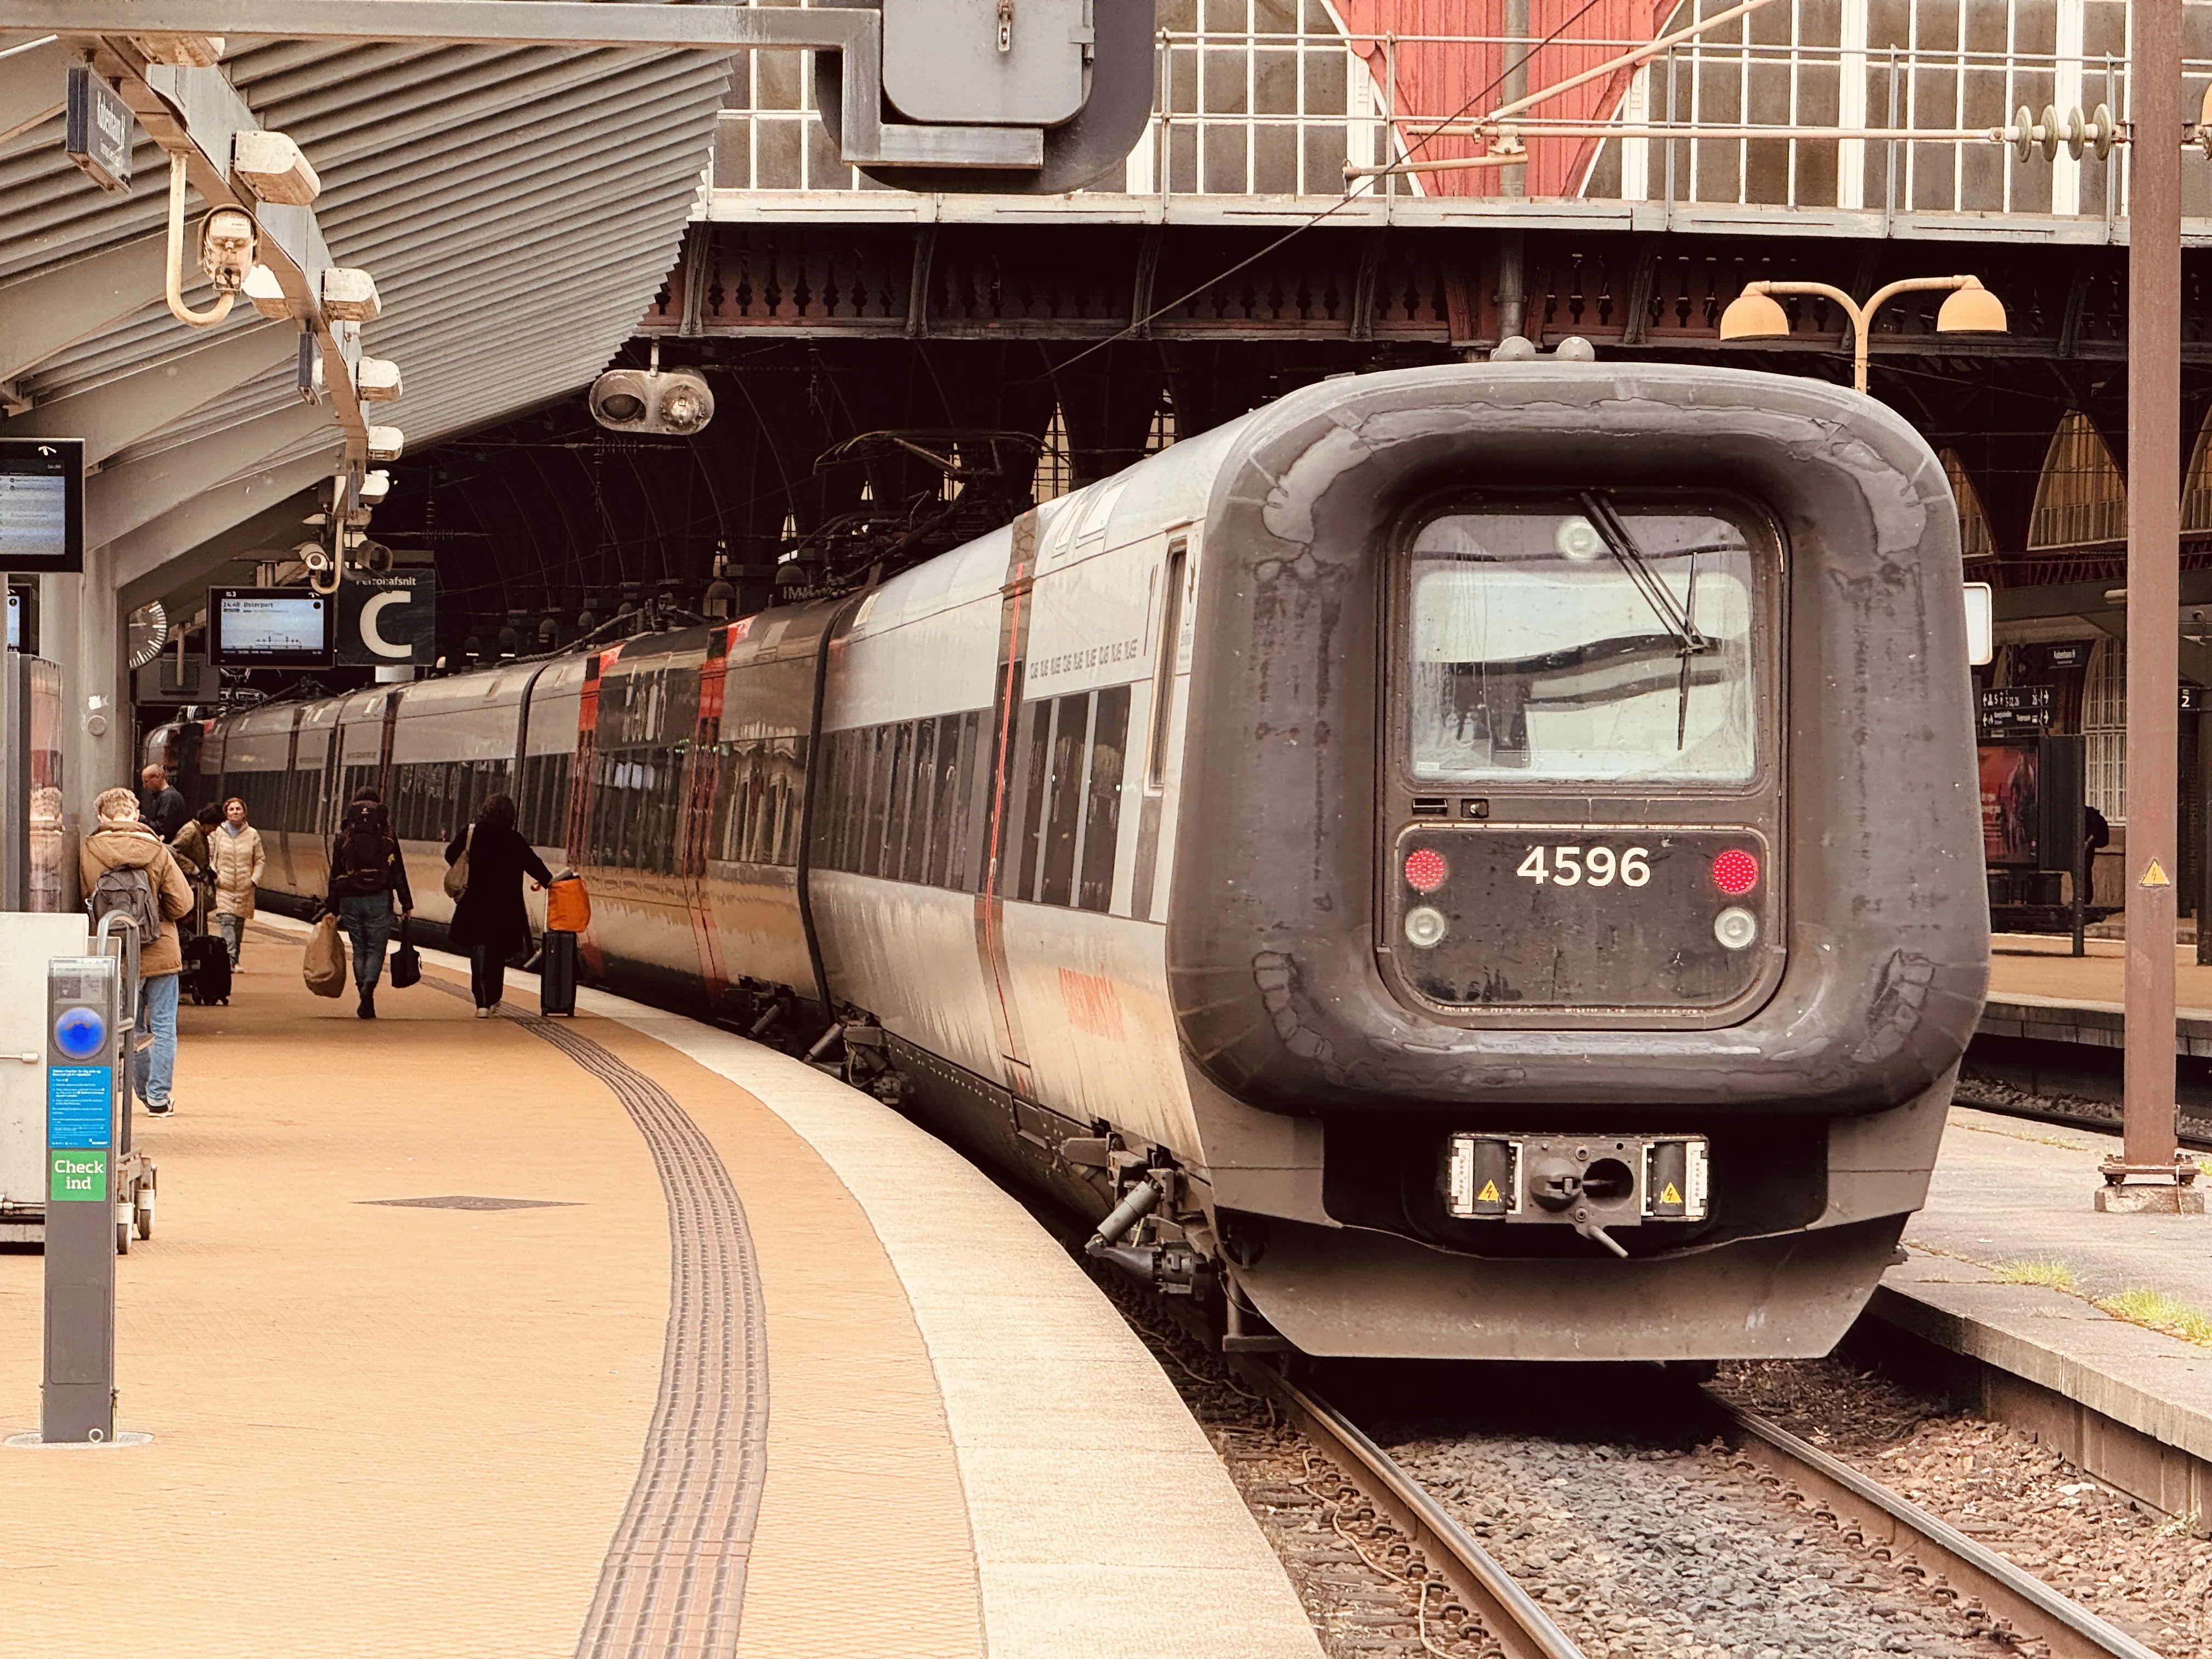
2130,1404
2039,992
617,1335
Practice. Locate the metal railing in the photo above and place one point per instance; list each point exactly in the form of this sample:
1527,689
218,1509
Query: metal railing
1801,105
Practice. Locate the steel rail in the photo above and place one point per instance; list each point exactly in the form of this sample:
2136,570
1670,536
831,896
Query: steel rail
1974,1570
1509,1614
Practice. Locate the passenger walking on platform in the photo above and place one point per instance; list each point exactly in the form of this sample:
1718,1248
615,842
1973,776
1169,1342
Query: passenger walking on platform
236,862
488,920
126,868
191,845
160,807
366,875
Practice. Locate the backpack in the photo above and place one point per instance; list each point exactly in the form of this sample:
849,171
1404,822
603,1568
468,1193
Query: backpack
364,854
128,890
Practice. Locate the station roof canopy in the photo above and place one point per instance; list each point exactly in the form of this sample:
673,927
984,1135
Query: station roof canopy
518,208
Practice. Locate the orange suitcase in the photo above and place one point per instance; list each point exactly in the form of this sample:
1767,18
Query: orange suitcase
567,906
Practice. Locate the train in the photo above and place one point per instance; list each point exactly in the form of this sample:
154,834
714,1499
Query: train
1471,862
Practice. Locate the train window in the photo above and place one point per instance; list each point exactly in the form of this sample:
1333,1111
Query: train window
1031,752
545,799
945,795
780,799
901,771
1070,730
850,796
767,804
973,828
736,816
879,799
840,804
664,807
916,866
1584,640
1102,827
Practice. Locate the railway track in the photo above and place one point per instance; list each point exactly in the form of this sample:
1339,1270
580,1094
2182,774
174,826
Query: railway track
2023,1613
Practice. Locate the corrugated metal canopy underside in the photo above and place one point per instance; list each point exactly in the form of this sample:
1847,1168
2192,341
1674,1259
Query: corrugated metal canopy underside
517,209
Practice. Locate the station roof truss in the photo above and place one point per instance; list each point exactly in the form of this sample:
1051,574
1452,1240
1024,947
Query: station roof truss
517,205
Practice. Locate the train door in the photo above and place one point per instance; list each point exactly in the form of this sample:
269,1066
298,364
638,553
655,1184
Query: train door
1001,860
1168,631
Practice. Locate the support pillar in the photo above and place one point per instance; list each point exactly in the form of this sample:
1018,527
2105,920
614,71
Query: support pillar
81,627
2154,624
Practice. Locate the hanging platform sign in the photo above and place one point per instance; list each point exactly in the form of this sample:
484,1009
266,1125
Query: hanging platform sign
97,130
389,621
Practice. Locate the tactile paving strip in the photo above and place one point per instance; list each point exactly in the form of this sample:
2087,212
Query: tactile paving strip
673,1583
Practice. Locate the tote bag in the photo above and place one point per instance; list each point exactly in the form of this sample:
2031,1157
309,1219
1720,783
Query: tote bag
457,872
325,968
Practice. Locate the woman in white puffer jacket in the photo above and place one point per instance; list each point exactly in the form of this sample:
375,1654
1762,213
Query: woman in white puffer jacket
235,859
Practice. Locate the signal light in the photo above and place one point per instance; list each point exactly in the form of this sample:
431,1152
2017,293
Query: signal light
1735,872
1425,870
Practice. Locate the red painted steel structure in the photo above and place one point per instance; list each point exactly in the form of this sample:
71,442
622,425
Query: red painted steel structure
1436,77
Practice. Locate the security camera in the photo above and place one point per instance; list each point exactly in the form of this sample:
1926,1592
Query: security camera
225,249
672,402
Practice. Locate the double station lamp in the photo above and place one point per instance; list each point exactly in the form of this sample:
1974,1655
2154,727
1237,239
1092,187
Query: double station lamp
1756,314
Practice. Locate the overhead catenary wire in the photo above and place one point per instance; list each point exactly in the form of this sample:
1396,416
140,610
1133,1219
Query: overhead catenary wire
1352,193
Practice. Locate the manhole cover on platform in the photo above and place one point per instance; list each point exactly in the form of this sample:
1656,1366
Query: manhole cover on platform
460,1201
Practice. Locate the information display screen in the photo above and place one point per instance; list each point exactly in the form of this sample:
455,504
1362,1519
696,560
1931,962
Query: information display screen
41,504
269,628
23,618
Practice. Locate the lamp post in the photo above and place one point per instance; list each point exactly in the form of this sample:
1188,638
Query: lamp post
1972,309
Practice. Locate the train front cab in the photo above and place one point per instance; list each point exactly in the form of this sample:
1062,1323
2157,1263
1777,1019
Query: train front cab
1622,1023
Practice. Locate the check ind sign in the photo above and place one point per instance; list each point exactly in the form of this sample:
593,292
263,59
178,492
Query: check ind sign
80,1105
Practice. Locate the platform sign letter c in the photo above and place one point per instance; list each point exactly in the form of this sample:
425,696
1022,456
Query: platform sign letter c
370,636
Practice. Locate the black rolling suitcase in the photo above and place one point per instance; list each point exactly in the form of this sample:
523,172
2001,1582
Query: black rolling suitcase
207,960
556,974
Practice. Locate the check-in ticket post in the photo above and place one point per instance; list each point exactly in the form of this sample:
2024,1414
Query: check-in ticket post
84,1052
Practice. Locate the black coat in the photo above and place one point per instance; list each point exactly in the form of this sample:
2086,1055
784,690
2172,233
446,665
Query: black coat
490,912
165,811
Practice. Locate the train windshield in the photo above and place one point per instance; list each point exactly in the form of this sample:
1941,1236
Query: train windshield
1598,639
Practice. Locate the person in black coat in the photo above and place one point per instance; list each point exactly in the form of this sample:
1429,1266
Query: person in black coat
488,920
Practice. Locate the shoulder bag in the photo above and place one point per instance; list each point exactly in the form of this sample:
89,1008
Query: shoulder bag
457,872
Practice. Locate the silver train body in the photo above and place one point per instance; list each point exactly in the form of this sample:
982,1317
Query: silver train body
1493,850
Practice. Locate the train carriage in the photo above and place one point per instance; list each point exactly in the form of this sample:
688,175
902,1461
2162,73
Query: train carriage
1469,862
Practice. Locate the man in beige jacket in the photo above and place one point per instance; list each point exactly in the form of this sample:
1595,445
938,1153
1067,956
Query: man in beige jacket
122,841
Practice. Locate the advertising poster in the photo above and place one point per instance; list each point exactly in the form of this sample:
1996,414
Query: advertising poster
2008,782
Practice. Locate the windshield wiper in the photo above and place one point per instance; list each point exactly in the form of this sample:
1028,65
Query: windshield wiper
1676,620
1680,621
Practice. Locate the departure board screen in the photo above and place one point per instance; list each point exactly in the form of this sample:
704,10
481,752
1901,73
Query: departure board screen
41,504
269,628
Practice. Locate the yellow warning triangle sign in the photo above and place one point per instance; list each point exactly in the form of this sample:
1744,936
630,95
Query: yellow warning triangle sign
1488,1194
1670,1196
2156,876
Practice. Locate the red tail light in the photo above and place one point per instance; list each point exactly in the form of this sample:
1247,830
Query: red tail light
1735,872
1425,870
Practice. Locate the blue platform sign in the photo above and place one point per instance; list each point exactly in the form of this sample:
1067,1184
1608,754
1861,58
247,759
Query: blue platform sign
80,1106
